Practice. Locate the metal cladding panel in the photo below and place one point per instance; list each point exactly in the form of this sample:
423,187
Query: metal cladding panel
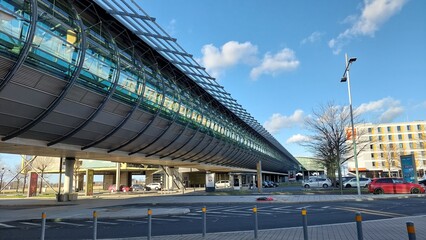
10,122
27,96
27,76
196,140
73,110
18,110
5,65
38,135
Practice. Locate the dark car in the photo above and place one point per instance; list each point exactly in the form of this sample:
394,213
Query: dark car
394,185
423,183
137,188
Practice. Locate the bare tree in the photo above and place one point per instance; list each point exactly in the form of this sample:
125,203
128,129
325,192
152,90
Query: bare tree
41,164
18,175
329,140
3,171
25,168
391,154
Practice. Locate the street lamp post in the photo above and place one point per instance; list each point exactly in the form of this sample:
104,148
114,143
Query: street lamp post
345,78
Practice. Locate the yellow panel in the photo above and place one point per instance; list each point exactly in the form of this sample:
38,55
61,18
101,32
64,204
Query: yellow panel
71,36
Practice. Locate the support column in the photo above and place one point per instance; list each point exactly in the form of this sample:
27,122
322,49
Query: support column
259,176
69,175
117,177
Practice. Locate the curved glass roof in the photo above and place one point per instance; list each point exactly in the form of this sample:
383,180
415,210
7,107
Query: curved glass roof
132,16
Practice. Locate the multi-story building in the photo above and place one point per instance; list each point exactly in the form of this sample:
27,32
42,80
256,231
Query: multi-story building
381,146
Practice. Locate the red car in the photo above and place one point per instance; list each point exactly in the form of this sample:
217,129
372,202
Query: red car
393,185
122,188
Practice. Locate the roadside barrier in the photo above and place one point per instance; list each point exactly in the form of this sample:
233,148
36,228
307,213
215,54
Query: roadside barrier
358,219
204,210
255,221
411,230
149,224
95,225
43,225
305,224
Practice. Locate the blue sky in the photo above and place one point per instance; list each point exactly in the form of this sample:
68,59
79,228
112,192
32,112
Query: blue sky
281,59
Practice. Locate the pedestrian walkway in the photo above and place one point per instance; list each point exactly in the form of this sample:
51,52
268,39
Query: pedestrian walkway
388,229
119,206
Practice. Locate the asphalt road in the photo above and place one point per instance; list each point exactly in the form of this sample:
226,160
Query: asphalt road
220,218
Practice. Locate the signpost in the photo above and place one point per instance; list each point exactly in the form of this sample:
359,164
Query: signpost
408,166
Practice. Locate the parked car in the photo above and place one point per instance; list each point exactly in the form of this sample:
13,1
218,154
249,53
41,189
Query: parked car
363,182
137,187
122,188
155,186
394,185
423,183
223,184
344,179
317,182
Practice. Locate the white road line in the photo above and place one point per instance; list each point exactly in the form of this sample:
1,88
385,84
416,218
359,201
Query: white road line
326,207
107,223
188,217
6,225
31,224
71,224
281,208
303,207
133,221
166,219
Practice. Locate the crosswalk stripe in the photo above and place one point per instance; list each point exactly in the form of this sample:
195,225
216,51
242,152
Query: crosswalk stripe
165,219
107,223
71,224
133,221
6,225
31,224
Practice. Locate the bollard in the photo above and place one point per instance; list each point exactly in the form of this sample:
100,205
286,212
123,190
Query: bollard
95,225
255,221
149,223
358,219
43,225
411,230
305,224
204,210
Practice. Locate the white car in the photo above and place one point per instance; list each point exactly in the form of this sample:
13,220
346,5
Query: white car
317,182
223,184
156,186
363,182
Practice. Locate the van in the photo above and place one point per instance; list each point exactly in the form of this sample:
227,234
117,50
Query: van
223,184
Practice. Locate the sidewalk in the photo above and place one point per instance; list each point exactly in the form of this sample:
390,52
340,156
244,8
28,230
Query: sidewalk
120,206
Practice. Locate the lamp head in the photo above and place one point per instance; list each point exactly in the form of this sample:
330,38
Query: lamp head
352,60
344,79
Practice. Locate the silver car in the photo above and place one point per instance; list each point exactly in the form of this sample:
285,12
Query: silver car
363,182
317,182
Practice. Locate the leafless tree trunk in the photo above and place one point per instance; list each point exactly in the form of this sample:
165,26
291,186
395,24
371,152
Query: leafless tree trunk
329,141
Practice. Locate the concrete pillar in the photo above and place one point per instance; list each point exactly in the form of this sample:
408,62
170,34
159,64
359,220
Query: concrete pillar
117,177
69,174
259,176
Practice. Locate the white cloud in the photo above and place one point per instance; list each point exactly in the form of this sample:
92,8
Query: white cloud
391,113
314,37
171,27
285,60
297,139
216,60
387,108
277,121
374,14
